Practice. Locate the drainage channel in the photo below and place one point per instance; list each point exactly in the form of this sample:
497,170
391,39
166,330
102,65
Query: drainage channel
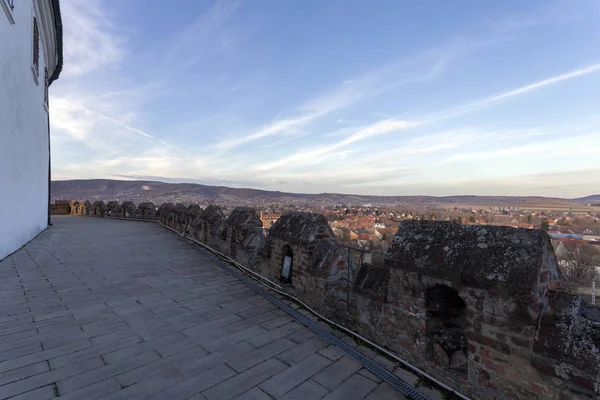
373,367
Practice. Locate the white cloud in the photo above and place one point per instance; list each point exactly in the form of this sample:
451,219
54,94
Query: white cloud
495,99
90,41
320,154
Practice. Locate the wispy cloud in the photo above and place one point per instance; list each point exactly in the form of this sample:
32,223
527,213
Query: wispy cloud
193,42
419,68
391,125
494,99
320,154
91,41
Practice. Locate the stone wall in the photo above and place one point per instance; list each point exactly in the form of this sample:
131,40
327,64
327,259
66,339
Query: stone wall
146,210
476,307
98,209
113,209
128,210
318,267
470,304
60,207
243,241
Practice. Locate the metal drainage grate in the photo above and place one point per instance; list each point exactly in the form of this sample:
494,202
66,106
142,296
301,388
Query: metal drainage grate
373,367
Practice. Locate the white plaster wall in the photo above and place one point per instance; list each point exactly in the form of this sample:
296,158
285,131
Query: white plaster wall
23,134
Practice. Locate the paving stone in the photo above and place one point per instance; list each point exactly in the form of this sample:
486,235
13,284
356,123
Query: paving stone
385,392
288,379
254,394
89,352
241,383
21,351
140,347
46,378
356,387
193,386
118,322
159,366
302,335
366,351
407,376
43,393
301,351
257,356
368,374
307,390
385,362
7,339
275,334
233,338
332,352
106,371
279,321
94,391
43,355
338,372
23,372
146,388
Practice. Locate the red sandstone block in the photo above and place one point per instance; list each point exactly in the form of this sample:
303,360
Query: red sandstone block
583,382
540,389
494,344
492,365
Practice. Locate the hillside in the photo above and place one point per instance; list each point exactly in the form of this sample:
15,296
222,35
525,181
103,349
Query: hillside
158,192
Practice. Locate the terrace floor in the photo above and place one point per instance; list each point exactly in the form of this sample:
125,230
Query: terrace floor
98,308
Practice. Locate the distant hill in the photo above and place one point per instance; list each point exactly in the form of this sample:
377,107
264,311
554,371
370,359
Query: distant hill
595,198
159,192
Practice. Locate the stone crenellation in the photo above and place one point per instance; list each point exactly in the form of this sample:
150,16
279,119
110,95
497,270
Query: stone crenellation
479,308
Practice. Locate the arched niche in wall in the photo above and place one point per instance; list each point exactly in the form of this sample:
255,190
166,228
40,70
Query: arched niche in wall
446,327
287,264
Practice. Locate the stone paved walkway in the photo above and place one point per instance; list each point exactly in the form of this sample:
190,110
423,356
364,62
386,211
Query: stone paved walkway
96,308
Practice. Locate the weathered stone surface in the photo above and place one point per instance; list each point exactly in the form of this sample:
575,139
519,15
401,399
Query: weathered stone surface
318,270
98,208
244,217
60,207
301,228
240,245
113,209
570,337
147,210
193,212
128,210
504,259
458,360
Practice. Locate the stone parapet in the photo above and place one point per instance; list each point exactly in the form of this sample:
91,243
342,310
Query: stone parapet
60,207
473,306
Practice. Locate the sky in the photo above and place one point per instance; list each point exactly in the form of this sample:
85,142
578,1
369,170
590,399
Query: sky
374,97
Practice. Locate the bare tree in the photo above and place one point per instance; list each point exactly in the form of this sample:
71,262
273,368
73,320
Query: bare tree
579,265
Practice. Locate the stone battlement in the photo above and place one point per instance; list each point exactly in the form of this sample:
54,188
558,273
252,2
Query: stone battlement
476,307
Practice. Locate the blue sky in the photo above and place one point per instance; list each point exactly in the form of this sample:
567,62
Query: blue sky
370,97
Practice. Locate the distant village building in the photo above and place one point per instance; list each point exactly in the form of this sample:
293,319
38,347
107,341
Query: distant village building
30,60
269,219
